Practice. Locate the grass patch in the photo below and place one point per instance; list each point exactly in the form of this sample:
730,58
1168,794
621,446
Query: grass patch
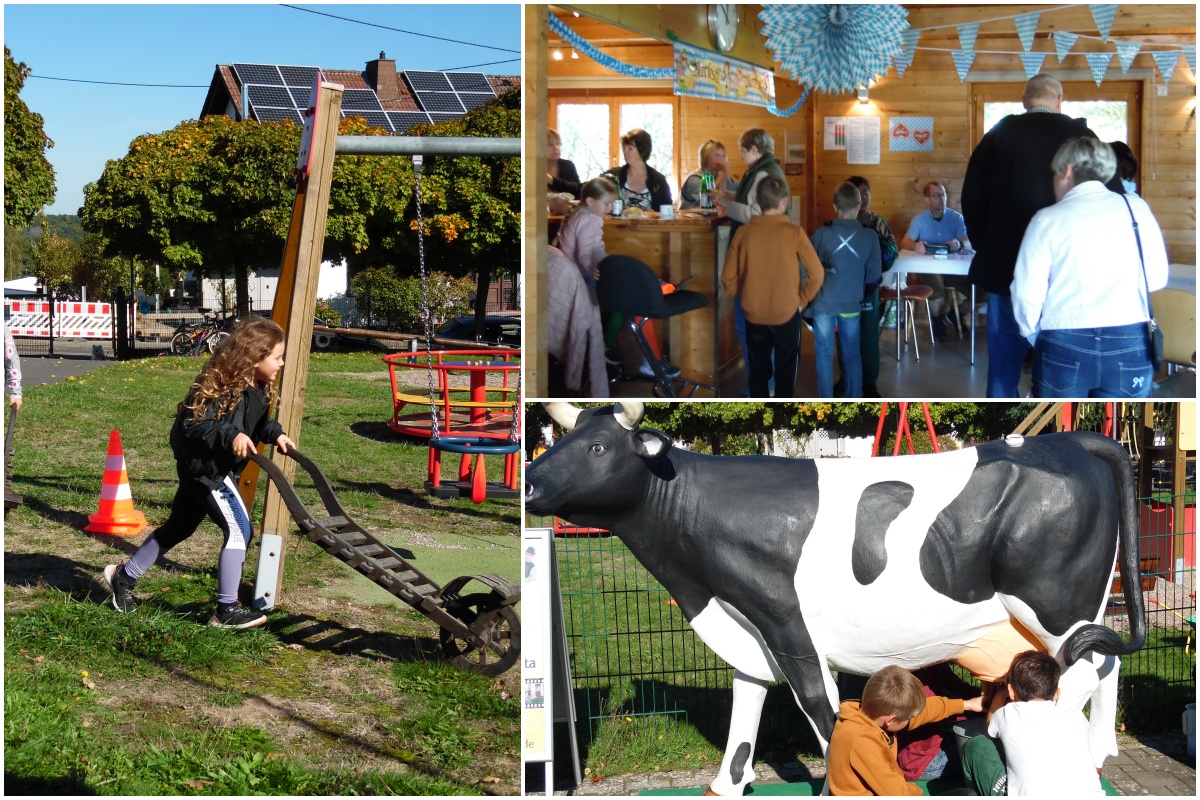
657,743
340,694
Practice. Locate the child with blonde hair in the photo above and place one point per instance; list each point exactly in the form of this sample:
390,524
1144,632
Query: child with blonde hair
217,426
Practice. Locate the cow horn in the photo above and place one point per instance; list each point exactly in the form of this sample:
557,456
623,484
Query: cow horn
564,414
630,414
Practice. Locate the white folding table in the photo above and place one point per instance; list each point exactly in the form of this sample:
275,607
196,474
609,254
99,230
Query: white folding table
909,261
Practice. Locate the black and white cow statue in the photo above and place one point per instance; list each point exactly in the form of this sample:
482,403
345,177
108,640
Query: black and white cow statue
790,568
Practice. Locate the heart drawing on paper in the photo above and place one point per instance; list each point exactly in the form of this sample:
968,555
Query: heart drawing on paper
900,132
921,136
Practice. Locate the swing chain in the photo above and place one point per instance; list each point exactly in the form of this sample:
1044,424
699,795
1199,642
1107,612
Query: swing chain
426,307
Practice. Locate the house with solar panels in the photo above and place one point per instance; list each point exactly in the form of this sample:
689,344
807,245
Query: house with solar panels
394,101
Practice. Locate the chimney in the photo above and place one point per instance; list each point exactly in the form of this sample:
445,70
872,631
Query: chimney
381,76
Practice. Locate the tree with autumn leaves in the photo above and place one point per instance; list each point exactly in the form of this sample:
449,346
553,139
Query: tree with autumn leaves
215,196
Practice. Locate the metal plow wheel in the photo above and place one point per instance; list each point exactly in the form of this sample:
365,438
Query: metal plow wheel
498,628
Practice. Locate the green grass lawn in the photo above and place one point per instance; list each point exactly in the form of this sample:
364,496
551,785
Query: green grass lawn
342,692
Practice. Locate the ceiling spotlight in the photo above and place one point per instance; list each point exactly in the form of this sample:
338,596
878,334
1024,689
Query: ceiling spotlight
558,54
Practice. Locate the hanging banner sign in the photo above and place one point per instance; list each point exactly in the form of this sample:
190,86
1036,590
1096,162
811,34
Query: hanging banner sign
702,73
911,134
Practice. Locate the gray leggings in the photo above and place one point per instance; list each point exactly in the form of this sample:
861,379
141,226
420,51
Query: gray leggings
193,502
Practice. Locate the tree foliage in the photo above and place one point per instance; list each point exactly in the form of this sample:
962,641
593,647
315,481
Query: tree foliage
55,262
716,425
101,274
28,176
397,302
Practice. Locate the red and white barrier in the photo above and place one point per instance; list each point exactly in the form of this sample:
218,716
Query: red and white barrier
72,320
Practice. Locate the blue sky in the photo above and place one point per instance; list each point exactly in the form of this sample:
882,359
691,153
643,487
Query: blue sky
91,124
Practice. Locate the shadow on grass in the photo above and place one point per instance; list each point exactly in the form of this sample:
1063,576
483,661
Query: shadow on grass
62,786
420,500
329,636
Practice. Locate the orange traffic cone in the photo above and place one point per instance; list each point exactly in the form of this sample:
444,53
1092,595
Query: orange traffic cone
116,514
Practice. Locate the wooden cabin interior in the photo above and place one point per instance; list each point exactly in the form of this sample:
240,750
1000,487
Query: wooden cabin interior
1159,115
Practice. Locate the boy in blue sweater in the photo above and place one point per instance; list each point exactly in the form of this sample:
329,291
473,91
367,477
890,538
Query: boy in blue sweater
850,255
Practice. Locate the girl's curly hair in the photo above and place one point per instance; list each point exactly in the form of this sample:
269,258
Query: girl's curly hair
231,369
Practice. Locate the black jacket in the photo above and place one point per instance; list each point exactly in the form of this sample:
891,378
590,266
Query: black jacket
203,448
567,180
1008,181
660,192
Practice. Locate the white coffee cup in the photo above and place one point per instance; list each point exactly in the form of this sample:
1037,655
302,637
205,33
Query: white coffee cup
666,211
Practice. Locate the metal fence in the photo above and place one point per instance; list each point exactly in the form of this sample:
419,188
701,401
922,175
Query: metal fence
633,654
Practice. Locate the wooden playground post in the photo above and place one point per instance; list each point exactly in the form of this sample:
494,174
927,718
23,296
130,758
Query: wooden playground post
296,297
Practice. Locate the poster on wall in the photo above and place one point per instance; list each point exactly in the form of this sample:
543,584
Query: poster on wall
795,152
835,133
862,140
910,134
701,73
537,714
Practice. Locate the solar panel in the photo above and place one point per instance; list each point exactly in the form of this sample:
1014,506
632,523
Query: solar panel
376,119
403,120
445,117
360,100
474,99
270,96
258,73
300,97
444,102
469,82
298,76
268,114
428,81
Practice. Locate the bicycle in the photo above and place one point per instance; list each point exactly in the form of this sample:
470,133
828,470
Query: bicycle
195,338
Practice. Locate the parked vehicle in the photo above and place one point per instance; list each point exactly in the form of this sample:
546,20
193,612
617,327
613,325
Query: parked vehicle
498,331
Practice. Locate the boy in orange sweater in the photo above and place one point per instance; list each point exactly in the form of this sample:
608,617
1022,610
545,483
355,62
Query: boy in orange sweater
861,759
762,267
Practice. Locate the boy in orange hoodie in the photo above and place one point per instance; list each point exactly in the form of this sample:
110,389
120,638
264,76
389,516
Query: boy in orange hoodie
861,759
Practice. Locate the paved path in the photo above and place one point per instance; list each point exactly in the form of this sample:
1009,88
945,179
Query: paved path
1155,764
70,358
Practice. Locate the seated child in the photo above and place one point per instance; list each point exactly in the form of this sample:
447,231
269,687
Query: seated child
1044,745
861,758
850,255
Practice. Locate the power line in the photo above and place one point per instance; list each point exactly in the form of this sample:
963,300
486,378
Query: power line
400,30
117,83
472,66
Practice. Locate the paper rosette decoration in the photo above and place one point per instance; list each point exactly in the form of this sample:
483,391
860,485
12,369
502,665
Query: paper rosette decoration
834,48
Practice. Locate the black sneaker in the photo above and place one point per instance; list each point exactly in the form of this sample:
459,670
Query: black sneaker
669,369
612,357
237,618
121,586
939,330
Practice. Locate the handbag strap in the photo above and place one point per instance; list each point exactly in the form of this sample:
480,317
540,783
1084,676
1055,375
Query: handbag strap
1137,236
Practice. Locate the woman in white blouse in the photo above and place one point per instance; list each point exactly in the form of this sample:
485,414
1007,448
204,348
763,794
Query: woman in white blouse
1078,293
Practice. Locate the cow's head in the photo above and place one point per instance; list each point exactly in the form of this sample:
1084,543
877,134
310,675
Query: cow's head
600,466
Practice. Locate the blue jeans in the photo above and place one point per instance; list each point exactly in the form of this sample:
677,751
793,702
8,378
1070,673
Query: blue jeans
1006,348
824,323
1093,362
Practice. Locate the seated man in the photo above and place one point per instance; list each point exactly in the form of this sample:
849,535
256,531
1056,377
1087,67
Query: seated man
939,225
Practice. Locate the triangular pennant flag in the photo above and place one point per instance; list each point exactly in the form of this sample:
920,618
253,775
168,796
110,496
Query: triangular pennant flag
1026,28
1103,13
1166,60
962,63
1189,53
967,33
908,50
1126,52
1063,42
902,62
1033,63
1099,64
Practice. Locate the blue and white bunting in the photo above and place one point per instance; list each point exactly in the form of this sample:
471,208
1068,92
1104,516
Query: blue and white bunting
962,63
1027,28
834,48
1103,14
1099,64
1189,53
1166,61
581,45
1032,63
908,50
967,33
793,108
1126,52
1063,42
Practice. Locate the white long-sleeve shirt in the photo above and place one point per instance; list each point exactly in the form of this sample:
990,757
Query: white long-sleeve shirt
1078,266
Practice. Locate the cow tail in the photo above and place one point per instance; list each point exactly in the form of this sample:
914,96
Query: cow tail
1097,637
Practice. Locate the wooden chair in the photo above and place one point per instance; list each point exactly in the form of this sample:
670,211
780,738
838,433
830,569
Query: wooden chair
914,292
1175,312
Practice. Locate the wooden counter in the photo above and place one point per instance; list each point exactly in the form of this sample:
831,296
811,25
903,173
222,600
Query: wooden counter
703,343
